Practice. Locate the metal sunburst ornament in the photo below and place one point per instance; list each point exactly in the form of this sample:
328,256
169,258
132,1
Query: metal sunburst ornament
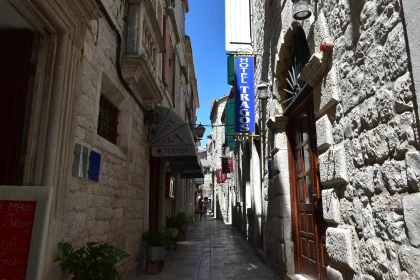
295,84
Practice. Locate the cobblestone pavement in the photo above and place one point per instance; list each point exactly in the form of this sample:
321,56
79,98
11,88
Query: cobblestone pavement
213,251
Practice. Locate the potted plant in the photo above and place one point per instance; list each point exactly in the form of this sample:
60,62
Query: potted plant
93,261
173,225
156,242
182,219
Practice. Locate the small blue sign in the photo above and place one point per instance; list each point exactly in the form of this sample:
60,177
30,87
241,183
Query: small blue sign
244,94
94,166
270,169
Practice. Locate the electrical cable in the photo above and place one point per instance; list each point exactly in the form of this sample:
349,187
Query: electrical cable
212,125
118,63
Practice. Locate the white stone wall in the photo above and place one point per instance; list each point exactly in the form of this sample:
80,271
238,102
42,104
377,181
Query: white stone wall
218,137
375,141
207,187
367,134
277,224
112,209
116,10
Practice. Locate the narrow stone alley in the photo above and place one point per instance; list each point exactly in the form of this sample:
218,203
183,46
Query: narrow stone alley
213,251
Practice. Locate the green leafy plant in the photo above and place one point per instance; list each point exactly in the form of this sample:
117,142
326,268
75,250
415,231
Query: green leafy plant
157,238
173,222
182,218
93,261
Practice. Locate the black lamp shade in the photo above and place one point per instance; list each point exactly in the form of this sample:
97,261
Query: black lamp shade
199,131
301,9
153,126
263,94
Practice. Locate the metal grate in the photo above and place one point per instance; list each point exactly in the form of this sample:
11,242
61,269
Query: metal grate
108,120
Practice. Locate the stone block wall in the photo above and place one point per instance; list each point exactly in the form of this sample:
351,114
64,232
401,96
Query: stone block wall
278,234
278,245
218,136
207,187
112,209
367,138
368,142
116,10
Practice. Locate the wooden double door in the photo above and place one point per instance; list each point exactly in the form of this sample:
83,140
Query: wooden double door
17,71
308,225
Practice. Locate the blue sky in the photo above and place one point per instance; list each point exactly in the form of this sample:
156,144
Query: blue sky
205,24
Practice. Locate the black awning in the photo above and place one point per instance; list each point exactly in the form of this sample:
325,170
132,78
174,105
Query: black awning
186,166
197,174
173,139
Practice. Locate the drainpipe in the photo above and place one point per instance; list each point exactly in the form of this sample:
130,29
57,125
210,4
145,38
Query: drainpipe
262,160
118,55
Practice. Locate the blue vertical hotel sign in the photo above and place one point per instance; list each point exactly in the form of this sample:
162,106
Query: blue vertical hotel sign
244,94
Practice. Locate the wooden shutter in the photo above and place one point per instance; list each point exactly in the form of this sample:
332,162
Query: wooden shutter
230,123
231,69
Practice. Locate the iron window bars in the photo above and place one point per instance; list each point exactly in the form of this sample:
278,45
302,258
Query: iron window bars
108,120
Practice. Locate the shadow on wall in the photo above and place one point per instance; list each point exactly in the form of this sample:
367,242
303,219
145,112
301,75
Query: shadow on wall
355,11
218,209
272,14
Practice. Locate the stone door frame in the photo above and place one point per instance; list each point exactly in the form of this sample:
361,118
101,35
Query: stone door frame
319,226
61,26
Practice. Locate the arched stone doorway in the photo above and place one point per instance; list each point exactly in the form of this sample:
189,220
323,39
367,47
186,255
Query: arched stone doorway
308,227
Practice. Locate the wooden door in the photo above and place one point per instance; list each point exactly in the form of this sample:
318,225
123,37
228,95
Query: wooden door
309,229
15,52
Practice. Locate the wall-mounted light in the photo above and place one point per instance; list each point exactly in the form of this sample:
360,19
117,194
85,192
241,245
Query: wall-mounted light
224,146
199,131
263,91
301,9
150,119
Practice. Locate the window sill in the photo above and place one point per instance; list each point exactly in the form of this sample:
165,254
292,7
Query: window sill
109,147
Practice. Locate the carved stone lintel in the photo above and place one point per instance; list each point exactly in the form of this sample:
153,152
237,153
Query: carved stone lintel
136,70
72,14
277,123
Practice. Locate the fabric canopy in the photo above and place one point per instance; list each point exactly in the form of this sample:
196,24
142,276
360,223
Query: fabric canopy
173,139
186,166
173,136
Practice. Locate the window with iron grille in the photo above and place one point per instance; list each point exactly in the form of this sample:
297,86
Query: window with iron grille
108,120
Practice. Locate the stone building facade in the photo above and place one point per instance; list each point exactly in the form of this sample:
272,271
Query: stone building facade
207,183
355,116
215,150
88,55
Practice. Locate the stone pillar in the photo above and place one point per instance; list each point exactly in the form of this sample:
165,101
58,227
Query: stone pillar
279,241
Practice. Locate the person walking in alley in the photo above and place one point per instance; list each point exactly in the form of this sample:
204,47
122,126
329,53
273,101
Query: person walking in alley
200,207
205,206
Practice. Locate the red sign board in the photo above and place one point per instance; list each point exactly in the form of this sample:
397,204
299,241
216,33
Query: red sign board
227,165
16,222
220,176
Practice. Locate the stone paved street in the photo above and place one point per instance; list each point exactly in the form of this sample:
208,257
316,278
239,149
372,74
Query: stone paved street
213,251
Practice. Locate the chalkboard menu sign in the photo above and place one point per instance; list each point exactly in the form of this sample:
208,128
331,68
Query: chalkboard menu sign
16,223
